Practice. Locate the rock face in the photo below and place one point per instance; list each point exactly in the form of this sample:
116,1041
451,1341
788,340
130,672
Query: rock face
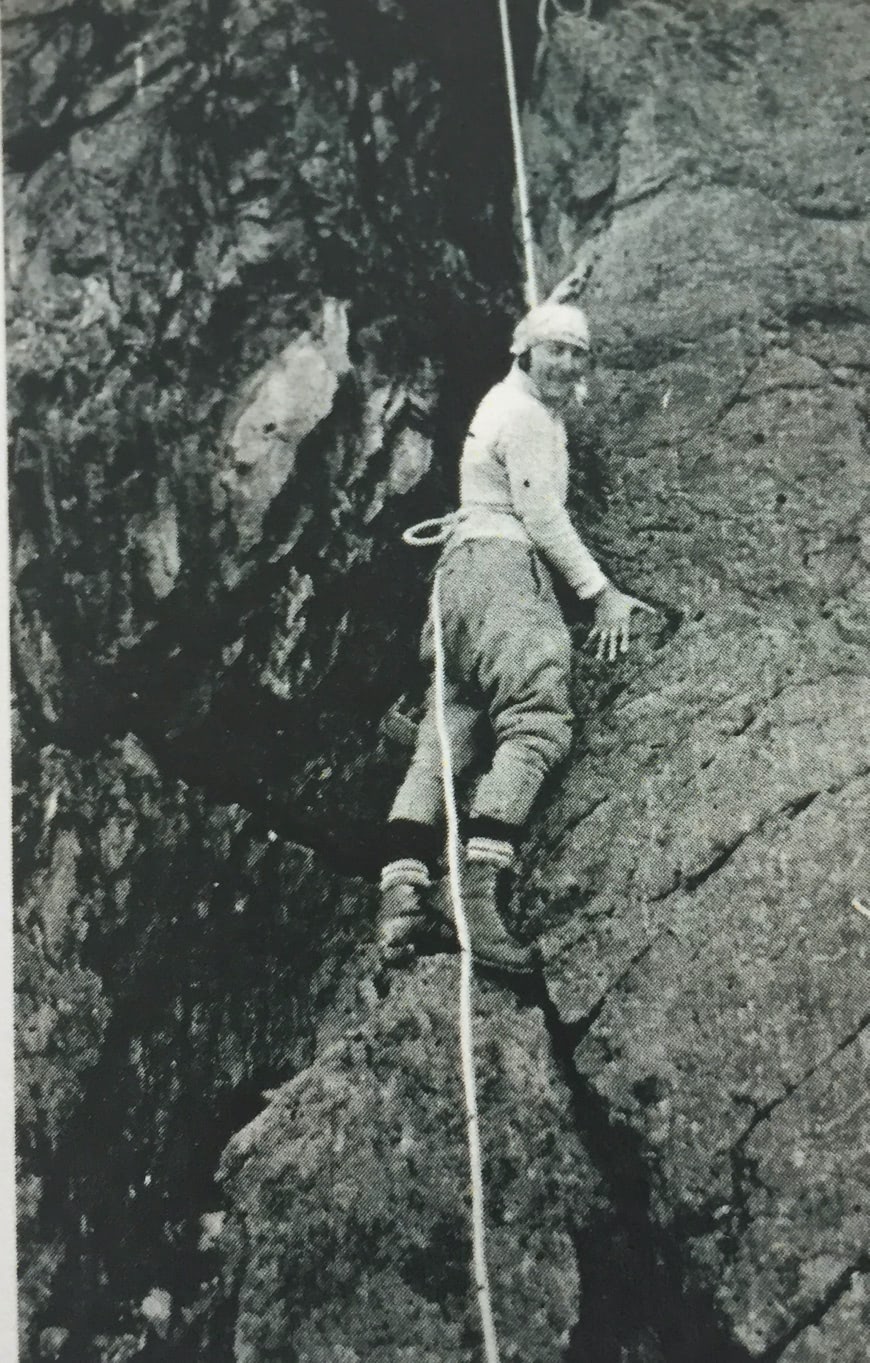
260,268
349,1194
696,879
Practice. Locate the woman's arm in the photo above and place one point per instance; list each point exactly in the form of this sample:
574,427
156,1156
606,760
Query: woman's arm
534,453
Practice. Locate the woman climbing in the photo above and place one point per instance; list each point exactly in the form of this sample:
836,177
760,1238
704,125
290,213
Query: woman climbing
506,646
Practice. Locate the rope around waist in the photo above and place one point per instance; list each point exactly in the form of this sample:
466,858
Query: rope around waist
438,529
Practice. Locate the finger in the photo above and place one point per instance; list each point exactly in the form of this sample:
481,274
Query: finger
614,643
602,642
644,606
593,635
623,638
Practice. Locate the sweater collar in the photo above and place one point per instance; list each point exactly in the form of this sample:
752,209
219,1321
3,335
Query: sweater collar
519,379
521,382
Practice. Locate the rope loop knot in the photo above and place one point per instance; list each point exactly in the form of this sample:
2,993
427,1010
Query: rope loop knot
436,530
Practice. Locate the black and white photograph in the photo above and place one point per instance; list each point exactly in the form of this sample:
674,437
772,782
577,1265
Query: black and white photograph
438,687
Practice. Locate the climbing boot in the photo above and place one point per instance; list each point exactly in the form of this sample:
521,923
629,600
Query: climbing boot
491,943
407,923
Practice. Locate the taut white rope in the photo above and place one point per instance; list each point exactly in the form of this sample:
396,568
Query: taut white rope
436,531
532,296
466,1034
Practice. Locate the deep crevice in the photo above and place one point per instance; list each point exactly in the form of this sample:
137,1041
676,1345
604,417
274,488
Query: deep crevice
767,1109
697,878
640,1301
838,1289
832,213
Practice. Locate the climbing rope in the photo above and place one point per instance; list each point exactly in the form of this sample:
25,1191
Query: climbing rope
466,1033
532,296
437,531
431,532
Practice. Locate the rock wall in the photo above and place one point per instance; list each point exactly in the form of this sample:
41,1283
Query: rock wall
695,880
220,418
260,267
349,1192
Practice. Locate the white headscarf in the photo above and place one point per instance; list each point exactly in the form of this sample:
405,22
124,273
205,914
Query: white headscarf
551,322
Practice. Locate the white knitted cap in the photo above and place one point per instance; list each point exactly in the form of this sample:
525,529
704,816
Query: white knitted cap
551,322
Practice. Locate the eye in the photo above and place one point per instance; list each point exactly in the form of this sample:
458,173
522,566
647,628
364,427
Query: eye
269,428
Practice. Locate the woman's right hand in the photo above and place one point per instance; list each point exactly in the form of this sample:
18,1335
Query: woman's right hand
611,630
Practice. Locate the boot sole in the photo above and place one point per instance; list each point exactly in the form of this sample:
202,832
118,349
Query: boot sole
423,940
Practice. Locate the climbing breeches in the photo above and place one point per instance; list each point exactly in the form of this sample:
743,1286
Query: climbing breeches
507,657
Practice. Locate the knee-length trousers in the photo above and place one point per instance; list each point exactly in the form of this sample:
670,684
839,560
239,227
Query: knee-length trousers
507,656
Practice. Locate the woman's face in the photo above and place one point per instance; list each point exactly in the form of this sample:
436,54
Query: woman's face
559,371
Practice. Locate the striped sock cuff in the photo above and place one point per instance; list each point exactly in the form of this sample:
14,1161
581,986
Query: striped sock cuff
407,871
491,850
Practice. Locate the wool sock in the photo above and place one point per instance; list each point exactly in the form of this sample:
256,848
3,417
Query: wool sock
492,841
492,851
405,871
407,841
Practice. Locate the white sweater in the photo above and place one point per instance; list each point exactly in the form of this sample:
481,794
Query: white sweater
514,482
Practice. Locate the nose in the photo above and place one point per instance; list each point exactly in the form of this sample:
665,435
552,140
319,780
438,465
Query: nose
571,360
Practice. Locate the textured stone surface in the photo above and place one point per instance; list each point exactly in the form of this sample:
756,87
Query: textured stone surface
283,403
350,1191
218,424
149,909
695,876
839,1333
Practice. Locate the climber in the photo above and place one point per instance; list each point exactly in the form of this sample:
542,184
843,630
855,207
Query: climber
506,644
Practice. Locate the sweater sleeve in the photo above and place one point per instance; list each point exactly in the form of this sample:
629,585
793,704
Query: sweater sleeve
533,452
